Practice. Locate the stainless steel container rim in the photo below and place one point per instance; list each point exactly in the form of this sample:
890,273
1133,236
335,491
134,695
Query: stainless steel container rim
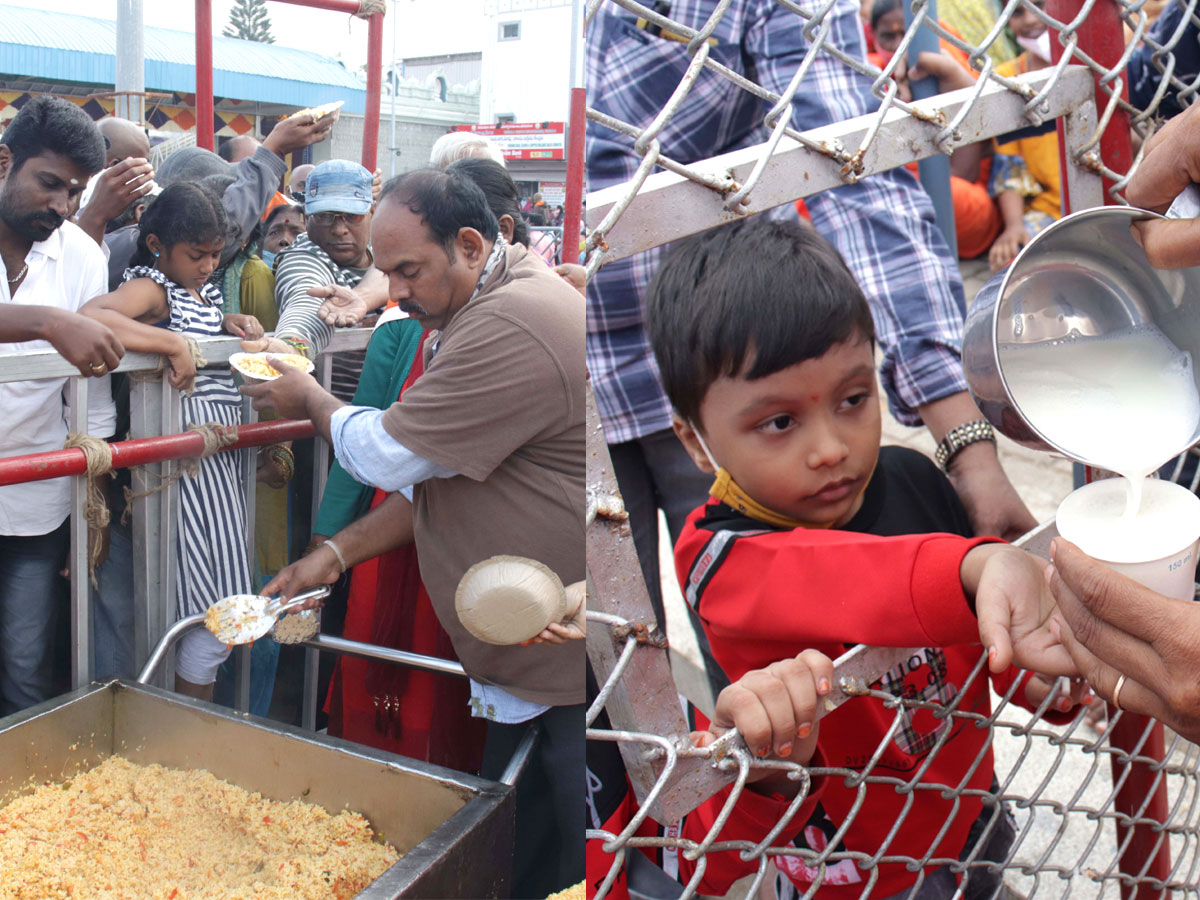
432,862
1132,213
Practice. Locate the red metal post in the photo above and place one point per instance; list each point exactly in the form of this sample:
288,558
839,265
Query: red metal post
1102,38
204,75
573,209
1131,798
370,145
187,445
576,130
351,7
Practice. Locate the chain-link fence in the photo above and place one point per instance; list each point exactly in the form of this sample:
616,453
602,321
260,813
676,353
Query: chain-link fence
1072,811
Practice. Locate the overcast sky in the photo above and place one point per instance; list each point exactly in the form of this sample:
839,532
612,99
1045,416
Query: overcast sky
422,27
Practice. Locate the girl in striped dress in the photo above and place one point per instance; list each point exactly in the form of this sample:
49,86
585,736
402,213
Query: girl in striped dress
164,301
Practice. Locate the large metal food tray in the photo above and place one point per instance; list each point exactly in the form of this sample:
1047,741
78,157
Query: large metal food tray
454,830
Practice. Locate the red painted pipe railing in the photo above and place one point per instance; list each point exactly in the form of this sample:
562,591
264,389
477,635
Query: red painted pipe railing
186,445
1149,854
370,139
345,6
1101,36
204,75
205,113
1148,849
573,209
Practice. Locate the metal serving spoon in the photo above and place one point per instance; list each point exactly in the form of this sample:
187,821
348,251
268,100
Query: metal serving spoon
247,617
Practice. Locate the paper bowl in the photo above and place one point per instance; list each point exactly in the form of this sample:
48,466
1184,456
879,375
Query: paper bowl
505,600
246,364
318,112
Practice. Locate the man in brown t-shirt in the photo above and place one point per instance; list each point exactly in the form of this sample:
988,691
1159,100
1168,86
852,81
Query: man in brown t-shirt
490,439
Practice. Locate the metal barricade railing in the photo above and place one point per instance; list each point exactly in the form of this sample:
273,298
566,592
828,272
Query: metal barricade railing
158,437
1084,827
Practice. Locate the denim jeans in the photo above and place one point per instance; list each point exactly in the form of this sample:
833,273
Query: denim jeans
29,592
112,608
264,659
548,854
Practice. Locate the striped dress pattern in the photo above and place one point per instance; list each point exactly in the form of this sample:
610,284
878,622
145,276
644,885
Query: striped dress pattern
213,560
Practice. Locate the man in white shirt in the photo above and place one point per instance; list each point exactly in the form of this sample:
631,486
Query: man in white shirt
51,268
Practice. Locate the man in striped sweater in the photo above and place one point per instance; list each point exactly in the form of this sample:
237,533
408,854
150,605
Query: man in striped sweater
334,251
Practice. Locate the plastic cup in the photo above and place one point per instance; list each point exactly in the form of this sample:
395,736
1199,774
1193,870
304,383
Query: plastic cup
1157,549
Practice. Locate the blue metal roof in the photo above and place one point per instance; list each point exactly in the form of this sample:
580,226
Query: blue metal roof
52,46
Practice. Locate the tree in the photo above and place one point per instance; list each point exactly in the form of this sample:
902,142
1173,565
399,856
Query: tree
249,21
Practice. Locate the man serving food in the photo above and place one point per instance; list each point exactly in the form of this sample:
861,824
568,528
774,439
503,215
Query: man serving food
485,457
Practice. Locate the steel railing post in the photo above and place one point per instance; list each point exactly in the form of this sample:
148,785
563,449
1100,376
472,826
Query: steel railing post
145,420
81,626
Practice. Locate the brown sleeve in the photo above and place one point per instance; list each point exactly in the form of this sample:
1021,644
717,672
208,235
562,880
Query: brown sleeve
491,389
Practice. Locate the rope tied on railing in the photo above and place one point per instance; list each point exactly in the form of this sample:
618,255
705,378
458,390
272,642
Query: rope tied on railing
98,454
199,360
368,8
216,437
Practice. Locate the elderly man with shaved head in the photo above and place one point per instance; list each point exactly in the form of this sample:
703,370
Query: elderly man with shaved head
127,178
298,180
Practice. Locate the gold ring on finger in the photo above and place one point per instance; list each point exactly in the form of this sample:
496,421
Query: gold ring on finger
1116,700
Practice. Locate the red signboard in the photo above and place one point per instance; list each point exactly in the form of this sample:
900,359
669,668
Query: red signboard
524,140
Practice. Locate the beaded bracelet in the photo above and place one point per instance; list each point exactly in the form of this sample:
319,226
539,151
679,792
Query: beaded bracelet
300,345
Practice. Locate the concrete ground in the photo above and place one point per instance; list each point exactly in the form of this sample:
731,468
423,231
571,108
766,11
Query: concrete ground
1063,846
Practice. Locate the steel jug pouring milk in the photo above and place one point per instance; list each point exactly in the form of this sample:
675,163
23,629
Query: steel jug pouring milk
1083,348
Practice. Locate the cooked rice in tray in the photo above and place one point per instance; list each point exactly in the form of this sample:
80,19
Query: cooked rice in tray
129,832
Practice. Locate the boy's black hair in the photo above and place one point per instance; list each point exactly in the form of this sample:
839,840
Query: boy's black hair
51,123
446,201
499,188
183,213
881,8
769,293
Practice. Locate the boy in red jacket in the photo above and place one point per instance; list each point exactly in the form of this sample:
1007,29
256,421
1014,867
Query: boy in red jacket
815,537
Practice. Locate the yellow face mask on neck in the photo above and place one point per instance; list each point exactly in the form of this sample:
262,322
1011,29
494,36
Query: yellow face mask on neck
727,491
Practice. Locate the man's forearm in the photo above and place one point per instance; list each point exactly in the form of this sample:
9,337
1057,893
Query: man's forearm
92,222
320,407
27,323
386,527
245,200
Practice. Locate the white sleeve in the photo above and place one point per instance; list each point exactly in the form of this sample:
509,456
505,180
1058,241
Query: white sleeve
93,281
372,456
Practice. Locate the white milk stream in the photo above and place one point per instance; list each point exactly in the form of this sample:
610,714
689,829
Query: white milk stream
1126,402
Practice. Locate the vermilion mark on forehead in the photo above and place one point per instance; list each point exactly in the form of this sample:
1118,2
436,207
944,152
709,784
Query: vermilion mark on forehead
814,398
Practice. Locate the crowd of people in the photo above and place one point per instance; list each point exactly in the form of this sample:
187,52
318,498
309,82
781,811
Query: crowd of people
480,338
739,375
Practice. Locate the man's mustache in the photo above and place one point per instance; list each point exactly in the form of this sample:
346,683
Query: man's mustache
50,220
413,309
